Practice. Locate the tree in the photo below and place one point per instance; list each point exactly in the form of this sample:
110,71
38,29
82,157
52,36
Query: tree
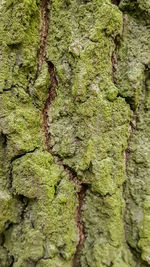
74,133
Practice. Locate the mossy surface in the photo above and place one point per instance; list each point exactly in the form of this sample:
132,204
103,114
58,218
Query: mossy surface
52,146
132,79
89,122
48,229
37,198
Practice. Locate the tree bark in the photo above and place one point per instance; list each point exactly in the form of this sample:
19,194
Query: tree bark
74,133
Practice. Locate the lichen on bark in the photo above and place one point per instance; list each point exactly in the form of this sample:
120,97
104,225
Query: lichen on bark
132,78
74,133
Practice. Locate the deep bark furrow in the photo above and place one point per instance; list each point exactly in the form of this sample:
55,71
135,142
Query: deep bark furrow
81,194
45,15
46,109
74,112
81,200
115,2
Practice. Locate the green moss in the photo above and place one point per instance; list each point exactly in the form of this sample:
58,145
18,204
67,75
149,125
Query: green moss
137,190
30,245
132,79
137,8
5,260
144,242
44,222
9,210
89,129
20,122
52,262
112,93
103,220
39,91
88,121
50,211
19,42
46,227
35,173
133,55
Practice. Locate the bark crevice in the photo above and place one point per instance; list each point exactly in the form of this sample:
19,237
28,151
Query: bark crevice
116,2
81,187
50,99
80,224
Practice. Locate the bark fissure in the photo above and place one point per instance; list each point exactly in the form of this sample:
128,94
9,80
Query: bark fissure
133,127
51,97
132,123
4,140
2,244
23,154
81,195
81,200
114,58
117,40
13,260
116,2
137,255
82,188
25,201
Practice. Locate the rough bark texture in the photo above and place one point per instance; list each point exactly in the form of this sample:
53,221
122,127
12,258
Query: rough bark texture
74,133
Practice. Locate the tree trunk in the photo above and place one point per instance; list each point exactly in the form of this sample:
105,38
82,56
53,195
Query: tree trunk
75,133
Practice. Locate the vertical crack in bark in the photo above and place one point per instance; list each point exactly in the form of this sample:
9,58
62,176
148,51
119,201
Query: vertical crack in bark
114,58
51,97
133,125
81,200
81,194
133,119
82,188
24,201
41,53
132,128
13,260
115,2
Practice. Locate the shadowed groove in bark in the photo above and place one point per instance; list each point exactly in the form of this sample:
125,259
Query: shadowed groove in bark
133,119
25,201
51,97
114,58
82,188
81,194
117,40
81,200
132,129
4,139
116,2
13,260
41,53
2,244
128,154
